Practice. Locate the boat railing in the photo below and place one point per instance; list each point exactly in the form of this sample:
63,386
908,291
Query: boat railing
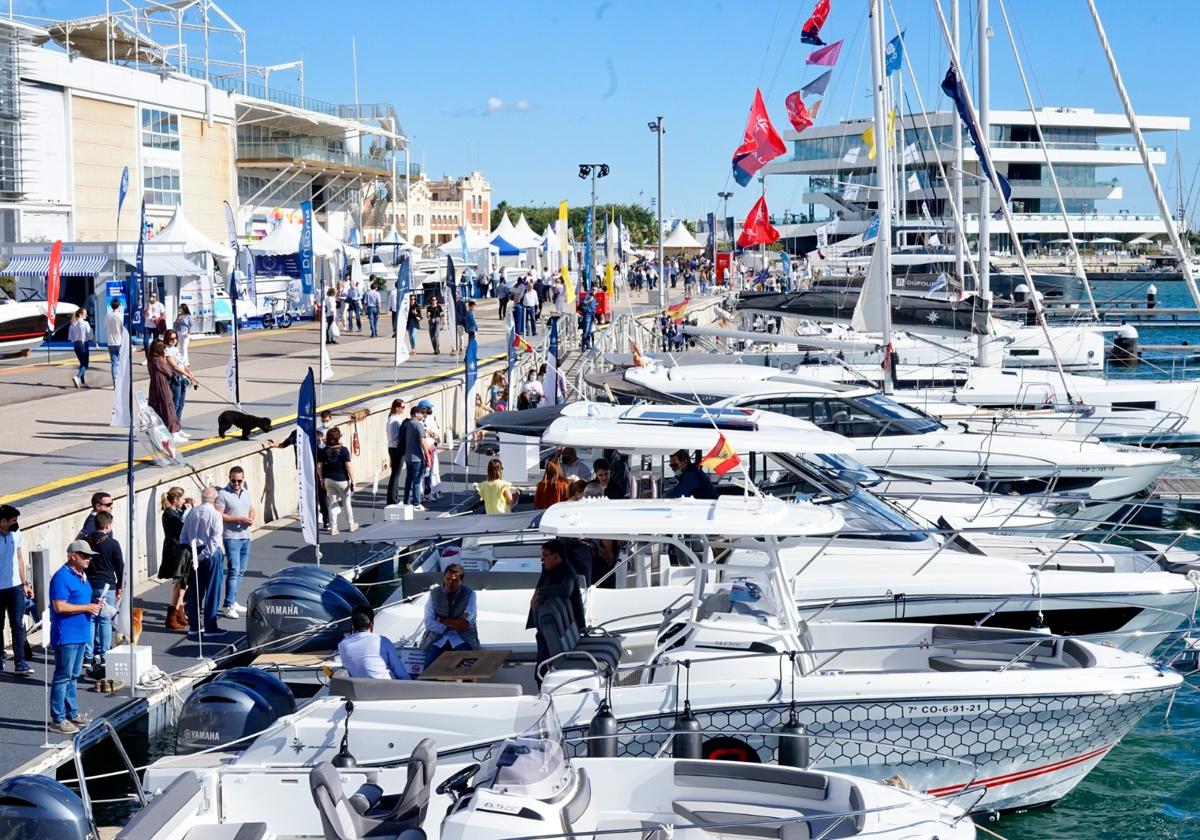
1047,471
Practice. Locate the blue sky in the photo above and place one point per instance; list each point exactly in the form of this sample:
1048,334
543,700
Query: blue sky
528,90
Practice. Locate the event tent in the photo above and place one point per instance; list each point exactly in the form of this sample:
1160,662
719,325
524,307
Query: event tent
285,239
681,239
181,231
526,238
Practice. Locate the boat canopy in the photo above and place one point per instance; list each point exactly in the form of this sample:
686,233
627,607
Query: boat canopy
727,516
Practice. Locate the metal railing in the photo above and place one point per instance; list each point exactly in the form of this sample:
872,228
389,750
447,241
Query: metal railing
296,150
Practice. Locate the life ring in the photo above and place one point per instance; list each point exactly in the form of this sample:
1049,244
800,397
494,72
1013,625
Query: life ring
728,748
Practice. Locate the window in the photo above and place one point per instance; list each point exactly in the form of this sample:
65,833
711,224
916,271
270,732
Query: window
160,129
161,185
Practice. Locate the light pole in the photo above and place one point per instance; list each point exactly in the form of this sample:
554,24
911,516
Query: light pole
657,128
593,170
724,196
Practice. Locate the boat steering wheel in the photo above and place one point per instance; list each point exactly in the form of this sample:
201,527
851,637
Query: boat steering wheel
458,783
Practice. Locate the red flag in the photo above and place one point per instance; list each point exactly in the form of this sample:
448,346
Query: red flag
678,311
761,143
53,280
757,230
521,344
721,458
797,113
811,33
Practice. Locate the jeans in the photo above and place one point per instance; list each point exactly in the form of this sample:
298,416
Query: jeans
114,353
414,480
412,337
519,319
396,462
100,637
204,585
588,322
434,651
81,353
179,389
237,556
68,665
531,319
373,320
435,337
12,606
395,321
354,314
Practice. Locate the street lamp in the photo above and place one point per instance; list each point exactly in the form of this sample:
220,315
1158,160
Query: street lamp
724,196
594,171
657,127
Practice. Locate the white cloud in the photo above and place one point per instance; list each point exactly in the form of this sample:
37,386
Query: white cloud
494,103
523,105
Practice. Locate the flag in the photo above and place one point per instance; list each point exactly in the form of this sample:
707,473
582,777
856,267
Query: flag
893,54
550,382
326,364
122,191
851,192
306,456
761,143
787,267
139,272
451,302
231,227
911,155
638,359
306,248
938,284
817,86
609,280
872,229
510,403
825,56
403,282
589,223
798,115
914,183
564,250
120,407
678,311
721,458
620,241
815,109
471,375
157,437
868,137
851,157
811,32
53,284
712,235
757,230
231,376
520,343
891,128
823,236
952,87
462,239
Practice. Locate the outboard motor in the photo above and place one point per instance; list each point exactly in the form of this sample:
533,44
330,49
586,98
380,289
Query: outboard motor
1125,346
300,610
232,706
38,806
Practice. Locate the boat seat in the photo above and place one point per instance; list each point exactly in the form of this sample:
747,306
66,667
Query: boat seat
177,801
744,776
339,819
981,643
229,831
573,649
743,819
367,688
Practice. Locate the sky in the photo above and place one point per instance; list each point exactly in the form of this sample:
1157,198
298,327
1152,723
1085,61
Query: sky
526,91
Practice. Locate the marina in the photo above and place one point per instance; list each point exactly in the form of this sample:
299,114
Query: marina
547,499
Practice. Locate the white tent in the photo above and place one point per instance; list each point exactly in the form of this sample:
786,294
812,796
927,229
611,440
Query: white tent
476,241
180,230
681,239
285,239
505,229
525,234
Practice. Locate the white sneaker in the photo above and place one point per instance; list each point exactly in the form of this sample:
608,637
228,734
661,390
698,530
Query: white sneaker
75,381
333,531
183,435
230,612
419,507
241,610
179,437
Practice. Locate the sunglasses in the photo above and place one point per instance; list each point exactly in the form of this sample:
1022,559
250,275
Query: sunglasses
237,481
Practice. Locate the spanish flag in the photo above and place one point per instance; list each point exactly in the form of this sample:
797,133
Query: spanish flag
721,459
677,311
638,359
521,344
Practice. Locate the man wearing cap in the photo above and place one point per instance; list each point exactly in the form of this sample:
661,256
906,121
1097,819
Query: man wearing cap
14,588
71,609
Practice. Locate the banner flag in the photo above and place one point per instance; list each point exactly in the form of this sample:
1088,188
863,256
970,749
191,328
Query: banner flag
761,143
450,302
712,236
893,54
471,372
157,437
798,115
817,86
952,87
511,403
306,248
757,228
811,32
787,270
120,407
306,455
122,191
403,282
589,225
872,229
825,56
564,256
53,285
609,281
231,373
462,238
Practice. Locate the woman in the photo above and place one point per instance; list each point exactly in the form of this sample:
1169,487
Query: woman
81,337
183,329
553,488
330,314
333,471
498,495
532,389
160,398
182,377
414,323
433,314
155,324
495,391
172,564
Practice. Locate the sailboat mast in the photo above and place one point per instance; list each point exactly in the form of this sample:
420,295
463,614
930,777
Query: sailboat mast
986,346
883,239
1163,208
960,237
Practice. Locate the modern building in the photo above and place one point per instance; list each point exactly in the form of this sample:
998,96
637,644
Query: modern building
1084,146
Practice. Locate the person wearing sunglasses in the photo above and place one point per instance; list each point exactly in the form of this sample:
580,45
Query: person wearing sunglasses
236,506
101,502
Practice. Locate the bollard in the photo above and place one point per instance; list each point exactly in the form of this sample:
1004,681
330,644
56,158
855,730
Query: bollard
1151,296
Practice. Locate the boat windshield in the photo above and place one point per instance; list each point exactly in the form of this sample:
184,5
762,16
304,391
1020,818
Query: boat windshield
741,596
534,763
900,419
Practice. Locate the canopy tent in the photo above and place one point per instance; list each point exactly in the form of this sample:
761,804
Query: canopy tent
1106,240
526,237
285,239
505,229
506,248
476,241
181,231
1142,240
681,239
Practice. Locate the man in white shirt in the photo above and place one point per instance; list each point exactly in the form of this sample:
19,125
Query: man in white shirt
530,301
155,324
14,588
366,654
114,329
573,468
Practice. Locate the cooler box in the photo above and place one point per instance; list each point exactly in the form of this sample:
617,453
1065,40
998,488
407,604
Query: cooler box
117,663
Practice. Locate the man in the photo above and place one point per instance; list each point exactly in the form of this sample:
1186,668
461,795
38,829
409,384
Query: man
394,306
71,609
530,300
413,437
366,654
434,315
691,480
101,501
517,296
106,575
502,293
14,588
372,300
204,526
469,325
587,307
354,297
114,329
395,447
450,615
154,323
573,468
557,580
236,507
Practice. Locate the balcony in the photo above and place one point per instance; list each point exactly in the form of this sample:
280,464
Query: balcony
295,152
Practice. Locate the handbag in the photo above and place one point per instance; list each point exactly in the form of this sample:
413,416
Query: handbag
334,332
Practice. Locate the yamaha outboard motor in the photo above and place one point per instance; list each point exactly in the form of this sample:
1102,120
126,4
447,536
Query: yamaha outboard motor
1125,346
33,807
238,703
300,609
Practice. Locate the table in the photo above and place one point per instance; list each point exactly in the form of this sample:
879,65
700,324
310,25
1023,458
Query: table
469,665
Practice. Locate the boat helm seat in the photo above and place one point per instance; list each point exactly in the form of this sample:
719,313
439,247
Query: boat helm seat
743,819
341,821
568,648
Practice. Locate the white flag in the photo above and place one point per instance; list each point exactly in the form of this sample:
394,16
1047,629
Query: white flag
852,192
231,372
326,365
911,155
823,236
120,406
851,157
401,331
914,183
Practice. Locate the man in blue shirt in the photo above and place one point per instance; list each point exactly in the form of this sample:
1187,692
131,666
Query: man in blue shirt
587,306
71,609
692,482
14,588
450,615
469,324
365,653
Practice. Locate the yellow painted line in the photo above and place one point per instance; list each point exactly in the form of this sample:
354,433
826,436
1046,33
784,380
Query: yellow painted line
197,445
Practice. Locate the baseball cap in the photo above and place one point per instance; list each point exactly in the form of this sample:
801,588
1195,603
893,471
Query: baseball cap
425,404
81,547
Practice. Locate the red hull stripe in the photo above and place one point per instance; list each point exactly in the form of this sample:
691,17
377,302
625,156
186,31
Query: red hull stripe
1022,775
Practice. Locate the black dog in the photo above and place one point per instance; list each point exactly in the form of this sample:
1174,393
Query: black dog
246,422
